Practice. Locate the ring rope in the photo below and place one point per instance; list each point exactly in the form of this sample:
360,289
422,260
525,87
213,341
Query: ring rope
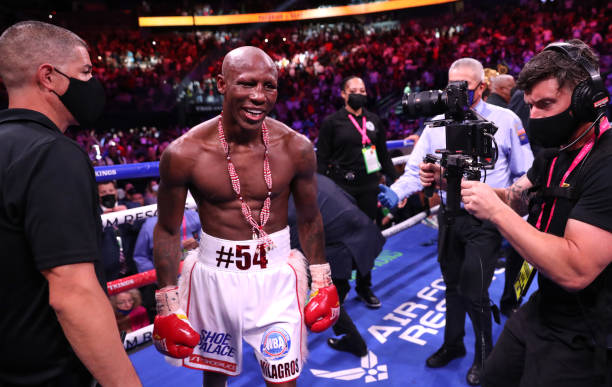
400,160
409,222
138,213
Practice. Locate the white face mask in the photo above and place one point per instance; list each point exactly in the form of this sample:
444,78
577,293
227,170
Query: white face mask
154,188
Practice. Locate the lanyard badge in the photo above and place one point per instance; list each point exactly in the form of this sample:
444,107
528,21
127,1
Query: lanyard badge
523,280
370,157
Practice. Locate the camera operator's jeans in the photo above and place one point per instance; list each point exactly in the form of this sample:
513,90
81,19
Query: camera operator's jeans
467,252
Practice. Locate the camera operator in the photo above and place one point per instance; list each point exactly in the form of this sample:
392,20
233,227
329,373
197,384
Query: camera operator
563,334
351,150
467,248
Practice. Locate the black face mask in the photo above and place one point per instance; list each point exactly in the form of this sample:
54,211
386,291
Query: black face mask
108,201
84,99
357,101
554,131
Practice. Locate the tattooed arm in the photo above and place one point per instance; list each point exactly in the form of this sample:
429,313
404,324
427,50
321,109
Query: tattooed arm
171,198
517,195
304,190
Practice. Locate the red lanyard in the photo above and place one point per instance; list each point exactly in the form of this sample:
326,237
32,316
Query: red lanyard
603,126
364,136
184,228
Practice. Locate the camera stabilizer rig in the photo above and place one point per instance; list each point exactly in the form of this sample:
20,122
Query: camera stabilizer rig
470,145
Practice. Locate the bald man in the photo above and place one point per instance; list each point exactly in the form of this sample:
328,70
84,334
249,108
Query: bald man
243,282
501,90
57,324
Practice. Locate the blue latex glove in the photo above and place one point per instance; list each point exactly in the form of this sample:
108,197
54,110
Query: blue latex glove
387,197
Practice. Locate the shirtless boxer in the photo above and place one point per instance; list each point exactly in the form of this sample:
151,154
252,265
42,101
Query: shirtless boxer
243,281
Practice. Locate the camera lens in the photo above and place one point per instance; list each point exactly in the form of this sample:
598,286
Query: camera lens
424,103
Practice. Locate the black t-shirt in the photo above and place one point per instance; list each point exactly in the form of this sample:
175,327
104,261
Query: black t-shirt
593,181
48,218
340,144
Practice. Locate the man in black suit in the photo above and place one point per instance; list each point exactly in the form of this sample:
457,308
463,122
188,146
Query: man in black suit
352,240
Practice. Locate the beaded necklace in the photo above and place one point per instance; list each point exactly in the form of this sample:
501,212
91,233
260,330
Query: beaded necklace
264,215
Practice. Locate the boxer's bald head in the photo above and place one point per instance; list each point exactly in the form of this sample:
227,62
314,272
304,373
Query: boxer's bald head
248,82
243,57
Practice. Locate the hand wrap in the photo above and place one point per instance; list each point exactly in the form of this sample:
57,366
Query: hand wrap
172,333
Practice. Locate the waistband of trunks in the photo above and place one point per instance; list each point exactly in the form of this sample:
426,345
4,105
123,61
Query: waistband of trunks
244,256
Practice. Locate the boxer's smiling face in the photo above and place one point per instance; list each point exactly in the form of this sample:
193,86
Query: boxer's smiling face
249,86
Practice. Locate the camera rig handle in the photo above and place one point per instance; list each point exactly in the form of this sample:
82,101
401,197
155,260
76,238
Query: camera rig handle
455,166
430,159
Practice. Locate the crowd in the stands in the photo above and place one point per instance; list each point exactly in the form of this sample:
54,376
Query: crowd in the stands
143,70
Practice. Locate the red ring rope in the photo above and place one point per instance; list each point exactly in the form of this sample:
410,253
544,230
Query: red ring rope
133,281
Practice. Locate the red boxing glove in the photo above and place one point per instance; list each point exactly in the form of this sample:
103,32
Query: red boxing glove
172,333
323,308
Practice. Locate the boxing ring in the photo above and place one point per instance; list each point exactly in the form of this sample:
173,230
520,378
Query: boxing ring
400,335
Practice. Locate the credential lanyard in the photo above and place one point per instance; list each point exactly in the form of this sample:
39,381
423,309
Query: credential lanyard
364,137
604,125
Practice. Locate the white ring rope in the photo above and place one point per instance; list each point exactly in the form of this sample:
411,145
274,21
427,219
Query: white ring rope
409,222
138,337
400,160
138,213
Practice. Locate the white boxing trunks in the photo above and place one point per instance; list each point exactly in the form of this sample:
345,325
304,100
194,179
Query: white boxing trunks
231,292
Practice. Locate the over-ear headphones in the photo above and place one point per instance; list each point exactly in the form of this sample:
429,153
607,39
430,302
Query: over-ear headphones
590,97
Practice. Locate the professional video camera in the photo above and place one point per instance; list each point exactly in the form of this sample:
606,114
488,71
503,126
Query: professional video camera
469,137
